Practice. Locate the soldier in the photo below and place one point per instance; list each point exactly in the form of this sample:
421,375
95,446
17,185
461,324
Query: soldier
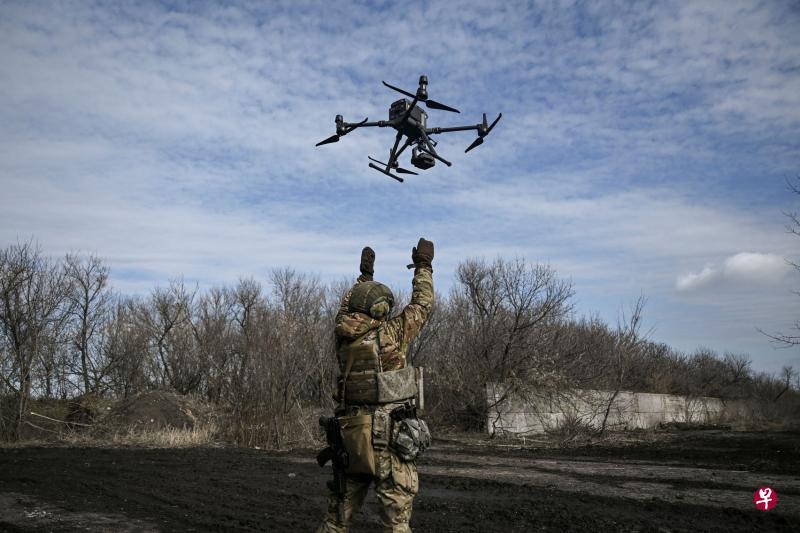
376,435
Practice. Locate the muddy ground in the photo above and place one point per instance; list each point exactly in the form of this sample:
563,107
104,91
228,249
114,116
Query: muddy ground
680,481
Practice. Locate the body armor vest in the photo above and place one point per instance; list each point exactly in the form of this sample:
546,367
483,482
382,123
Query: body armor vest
362,379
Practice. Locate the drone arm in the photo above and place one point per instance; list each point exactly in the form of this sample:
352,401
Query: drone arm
454,128
428,148
343,128
354,125
437,156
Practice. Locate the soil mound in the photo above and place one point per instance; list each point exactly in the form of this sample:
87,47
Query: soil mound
155,410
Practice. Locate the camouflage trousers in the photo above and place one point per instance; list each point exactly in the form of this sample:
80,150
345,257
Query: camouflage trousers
395,487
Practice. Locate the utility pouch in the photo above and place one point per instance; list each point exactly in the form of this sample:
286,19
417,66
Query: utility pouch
381,424
410,437
357,440
368,387
396,385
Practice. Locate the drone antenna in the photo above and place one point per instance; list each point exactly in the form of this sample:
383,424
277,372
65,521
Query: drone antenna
422,91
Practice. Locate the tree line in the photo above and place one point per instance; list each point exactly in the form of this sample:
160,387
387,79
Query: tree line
263,353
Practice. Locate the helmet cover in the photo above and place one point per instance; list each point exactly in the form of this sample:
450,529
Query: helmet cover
371,298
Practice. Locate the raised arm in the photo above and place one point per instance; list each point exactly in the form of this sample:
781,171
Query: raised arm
419,308
408,324
345,326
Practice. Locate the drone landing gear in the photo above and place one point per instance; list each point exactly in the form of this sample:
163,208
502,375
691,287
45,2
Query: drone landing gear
394,153
379,169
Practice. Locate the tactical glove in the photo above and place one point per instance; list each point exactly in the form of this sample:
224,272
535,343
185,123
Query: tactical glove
367,266
422,254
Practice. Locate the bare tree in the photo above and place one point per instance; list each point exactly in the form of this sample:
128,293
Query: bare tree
784,339
503,320
285,346
89,297
737,376
32,301
787,373
248,300
213,333
303,341
166,317
628,342
125,345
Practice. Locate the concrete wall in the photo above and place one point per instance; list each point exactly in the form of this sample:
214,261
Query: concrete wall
537,413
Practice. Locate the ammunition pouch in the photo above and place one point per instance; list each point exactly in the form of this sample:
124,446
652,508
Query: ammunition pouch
370,387
381,429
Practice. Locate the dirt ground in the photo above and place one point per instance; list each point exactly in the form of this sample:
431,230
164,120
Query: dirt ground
678,481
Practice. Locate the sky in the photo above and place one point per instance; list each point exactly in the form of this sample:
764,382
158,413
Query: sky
644,148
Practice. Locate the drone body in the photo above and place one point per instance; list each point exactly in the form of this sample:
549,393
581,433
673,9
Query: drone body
411,122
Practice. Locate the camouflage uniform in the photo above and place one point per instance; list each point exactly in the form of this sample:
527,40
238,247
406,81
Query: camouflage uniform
396,481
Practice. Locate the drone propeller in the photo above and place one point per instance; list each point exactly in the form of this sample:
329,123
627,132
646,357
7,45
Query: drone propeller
332,139
483,131
398,89
431,104
395,168
341,131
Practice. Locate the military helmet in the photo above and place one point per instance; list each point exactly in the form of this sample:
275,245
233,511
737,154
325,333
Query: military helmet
372,298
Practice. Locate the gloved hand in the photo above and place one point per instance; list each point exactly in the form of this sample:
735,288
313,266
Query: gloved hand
422,254
367,266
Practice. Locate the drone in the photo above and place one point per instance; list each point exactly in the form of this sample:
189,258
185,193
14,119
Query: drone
412,122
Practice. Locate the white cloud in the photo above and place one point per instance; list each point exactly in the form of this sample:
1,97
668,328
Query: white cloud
690,281
741,268
755,267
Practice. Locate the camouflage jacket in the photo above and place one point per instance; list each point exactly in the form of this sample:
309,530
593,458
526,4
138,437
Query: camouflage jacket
395,334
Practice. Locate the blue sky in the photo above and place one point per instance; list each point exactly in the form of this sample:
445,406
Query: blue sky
644,147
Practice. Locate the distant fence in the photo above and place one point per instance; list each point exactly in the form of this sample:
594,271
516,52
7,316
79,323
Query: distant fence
513,414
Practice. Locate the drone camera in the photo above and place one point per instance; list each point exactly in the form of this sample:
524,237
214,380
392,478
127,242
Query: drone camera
422,160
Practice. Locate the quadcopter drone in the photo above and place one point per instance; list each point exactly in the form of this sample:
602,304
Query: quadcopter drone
409,120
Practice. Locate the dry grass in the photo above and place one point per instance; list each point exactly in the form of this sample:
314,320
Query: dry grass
133,436
152,420
147,438
26,443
